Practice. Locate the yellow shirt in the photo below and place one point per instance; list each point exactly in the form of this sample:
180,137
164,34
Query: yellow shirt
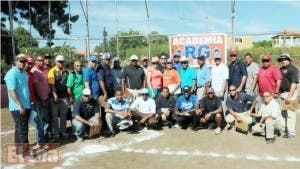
51,77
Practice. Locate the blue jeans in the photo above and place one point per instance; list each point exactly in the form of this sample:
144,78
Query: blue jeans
79,127
38,122
21,126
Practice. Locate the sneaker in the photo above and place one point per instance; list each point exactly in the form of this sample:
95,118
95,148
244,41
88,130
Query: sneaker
288,136
176,125
79,139
270,140
218,131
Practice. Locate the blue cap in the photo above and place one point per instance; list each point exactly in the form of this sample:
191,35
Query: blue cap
170,60
93,58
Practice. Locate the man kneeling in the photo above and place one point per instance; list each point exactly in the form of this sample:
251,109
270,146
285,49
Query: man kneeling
85,114
270,121
165,107
117,113
211,110
143,109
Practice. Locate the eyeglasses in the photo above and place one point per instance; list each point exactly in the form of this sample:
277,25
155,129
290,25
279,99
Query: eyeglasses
154,63
231,90
184,63
163,58
40,60
266,96
134,60
265,60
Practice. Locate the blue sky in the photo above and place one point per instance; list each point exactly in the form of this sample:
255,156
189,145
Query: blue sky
182,17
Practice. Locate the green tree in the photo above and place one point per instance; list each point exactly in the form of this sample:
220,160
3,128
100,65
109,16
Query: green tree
6,48
37,15
264,43
24,40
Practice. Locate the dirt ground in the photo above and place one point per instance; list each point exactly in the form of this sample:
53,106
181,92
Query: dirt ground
168,148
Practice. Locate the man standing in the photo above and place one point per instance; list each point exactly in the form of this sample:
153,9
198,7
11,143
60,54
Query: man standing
75,83
41,87
47,63
203,77
288,90
187,109
269,77
133,78
176,63
237,107
252,71
270,121
144,63
219,77
117,71
187,75
117,110
105,77
57,78
85,114
90,77
237,72
211,110
19,102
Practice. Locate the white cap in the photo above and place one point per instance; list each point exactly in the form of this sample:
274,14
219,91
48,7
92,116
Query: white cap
106,56
134,57
183,58
60,58
86,91
144,91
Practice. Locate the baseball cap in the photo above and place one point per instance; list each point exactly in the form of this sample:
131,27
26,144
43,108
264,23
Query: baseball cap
106,56
134,57
217,57
29,59
86,91
92,58
233,53
201,57
177,54
144,91
60,58
183,58
47,56
116,59
185,89
210,90
284,56
266,57
170,60
20,57
144,58
155,59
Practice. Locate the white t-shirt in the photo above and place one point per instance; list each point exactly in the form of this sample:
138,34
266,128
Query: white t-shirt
272,108
218,75
146,107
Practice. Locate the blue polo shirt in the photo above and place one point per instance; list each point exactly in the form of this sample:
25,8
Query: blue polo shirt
114,104
203,76
90,75
177,66
187,76
17,80
236,71
239,104
187,104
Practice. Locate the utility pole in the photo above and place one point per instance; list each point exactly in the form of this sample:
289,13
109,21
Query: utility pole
11,26
86,16
148,19
232,23
105,40
50,27
117,26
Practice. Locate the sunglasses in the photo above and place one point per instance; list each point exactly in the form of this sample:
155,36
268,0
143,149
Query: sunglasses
265,60
134,60
144,94
233,56
154,63
22,61
78,65
86,95
94,61
184,62
61,62
231,90
163,58
40,60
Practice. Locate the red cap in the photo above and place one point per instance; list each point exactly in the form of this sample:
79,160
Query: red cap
233,53
266,57
29,59
144,58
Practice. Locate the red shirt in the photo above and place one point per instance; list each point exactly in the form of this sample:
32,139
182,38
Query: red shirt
267,78
31,88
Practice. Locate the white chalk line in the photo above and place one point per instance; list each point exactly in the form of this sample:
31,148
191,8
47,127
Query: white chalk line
198,153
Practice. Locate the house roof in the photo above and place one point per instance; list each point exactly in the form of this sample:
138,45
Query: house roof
287,32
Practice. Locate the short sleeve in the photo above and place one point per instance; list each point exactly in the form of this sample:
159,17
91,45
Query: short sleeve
109,103
51,78
243,69
178,103
153,106
124,73
86,75
277,74
11,81
76,108
195,100
294,75
100,74
228,104
96,108
194,75
70,80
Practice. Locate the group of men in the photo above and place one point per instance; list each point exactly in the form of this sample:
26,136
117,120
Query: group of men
170,93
